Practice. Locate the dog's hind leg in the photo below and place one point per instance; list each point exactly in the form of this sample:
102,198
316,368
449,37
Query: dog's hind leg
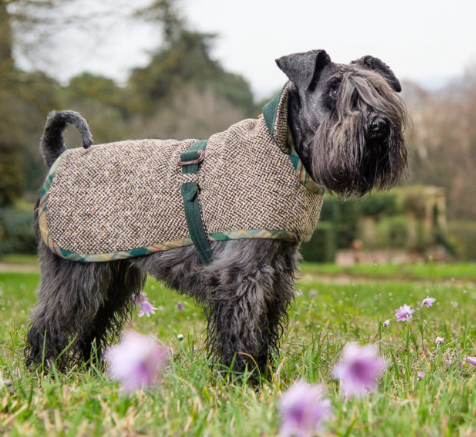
70,294
126,282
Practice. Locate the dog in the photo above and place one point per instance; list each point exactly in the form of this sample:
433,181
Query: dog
343,129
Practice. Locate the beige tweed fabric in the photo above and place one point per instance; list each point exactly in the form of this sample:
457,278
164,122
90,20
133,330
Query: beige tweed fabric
125,195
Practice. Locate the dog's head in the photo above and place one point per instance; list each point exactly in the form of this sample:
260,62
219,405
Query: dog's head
347,121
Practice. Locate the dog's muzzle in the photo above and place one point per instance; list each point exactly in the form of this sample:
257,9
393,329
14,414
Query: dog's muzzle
378,129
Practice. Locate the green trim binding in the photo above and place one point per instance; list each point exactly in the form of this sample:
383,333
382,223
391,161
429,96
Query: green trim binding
189,193
270,111
239,234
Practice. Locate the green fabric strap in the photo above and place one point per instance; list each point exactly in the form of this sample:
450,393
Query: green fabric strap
190,155
189,193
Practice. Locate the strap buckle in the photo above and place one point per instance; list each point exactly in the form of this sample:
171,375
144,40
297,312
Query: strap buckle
198,160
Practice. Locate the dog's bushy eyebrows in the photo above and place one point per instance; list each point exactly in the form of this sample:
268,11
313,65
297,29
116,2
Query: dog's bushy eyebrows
374,91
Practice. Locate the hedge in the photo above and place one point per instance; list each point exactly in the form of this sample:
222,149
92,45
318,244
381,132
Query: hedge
462,236
322,247
16,231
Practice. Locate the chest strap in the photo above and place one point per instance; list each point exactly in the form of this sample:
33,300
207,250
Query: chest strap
190,162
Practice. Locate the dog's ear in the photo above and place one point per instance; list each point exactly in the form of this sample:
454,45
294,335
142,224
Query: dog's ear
380,67
304,69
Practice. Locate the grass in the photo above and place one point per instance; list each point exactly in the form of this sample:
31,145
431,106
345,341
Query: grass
195,401
421,271
18,258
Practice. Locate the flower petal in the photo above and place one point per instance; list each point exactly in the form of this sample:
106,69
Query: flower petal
137,361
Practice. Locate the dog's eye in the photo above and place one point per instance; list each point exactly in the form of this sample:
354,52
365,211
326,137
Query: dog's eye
333,92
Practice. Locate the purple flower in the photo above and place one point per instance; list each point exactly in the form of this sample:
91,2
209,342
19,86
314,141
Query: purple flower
298,293
420,375
428,301
471,360
386,323
303,409
146,308
358,369
439,340
404,313
139,298
137,361
180,306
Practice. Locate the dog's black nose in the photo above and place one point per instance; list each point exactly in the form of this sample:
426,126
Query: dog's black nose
378,128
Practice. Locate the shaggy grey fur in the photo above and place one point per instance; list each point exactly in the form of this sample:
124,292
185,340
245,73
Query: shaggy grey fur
52,141
347,124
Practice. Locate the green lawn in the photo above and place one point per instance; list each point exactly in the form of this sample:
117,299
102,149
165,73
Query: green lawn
18,258
195,401
423,271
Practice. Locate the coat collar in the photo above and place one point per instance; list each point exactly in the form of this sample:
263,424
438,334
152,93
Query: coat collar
275,114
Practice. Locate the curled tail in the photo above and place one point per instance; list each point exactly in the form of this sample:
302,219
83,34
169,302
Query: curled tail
52,141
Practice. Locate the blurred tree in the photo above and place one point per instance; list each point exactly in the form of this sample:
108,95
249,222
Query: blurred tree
166,15
102,102
11,181
187,63
25,98
442,142
5,33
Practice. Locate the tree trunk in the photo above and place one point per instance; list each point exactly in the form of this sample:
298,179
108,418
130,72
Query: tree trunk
5,33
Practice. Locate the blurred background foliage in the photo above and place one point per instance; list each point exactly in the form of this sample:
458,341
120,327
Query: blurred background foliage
184,93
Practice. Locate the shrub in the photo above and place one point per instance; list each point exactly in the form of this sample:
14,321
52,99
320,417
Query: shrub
462,235
322,247
16,231
392,232
378,204
330,211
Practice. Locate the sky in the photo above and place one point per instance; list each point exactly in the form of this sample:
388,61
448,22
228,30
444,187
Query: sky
429,42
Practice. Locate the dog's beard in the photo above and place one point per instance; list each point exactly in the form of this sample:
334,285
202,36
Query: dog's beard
346,159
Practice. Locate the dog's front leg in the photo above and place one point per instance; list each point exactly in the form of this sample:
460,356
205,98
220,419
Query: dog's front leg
247,307
246,292
237,318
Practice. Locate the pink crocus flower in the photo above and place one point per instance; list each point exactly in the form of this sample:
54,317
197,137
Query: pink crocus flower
180,306
428,302
471,360
358,369
439,340
303,409
404,313
420,375
137,361
146,308
386,323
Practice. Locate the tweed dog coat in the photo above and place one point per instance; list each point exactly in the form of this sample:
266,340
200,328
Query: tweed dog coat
125,199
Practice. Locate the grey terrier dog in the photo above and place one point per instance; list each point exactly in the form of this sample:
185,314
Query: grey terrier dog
343,129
